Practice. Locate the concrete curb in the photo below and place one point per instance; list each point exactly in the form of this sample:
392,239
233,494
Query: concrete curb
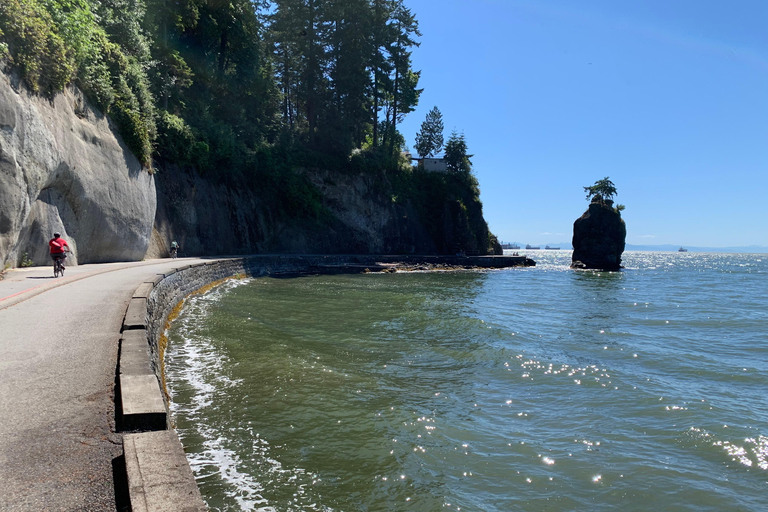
136,315
159,476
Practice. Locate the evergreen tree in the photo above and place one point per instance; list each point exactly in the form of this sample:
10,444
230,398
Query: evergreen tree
380,65
165,21
603,190
429,140
350,49
286,34
404,96
301,29
456,157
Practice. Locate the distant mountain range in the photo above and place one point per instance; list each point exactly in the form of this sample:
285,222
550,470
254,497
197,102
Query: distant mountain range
691,248
631,247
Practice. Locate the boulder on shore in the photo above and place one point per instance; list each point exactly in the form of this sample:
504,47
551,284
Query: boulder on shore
598,238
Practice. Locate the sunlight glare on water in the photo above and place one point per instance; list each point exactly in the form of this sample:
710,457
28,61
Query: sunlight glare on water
521,389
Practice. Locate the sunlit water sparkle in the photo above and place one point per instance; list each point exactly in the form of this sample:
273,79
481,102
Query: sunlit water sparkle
521,389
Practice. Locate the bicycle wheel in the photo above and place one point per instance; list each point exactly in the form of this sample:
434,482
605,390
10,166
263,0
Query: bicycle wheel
55,270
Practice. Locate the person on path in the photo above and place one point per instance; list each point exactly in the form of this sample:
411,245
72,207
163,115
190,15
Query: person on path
59,248
174,248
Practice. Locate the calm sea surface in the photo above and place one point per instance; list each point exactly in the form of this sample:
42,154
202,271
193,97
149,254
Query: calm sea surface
523,389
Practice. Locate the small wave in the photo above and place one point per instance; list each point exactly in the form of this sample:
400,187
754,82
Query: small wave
753,452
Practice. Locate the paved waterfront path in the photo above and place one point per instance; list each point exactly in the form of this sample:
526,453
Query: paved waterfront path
58,354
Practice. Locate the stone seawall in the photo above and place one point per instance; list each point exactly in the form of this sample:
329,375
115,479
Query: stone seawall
158,474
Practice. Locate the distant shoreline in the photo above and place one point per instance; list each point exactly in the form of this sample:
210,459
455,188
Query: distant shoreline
751,249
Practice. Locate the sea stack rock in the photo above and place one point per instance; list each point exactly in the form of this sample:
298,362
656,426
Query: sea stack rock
598,237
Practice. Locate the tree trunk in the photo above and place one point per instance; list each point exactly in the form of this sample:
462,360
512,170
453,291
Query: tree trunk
394,110
223,52
376,78
312,62
375,108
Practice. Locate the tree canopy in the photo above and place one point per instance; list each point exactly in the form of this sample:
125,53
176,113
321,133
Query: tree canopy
603,190
214,82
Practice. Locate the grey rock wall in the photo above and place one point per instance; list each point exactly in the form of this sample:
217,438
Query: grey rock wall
209,219
63,167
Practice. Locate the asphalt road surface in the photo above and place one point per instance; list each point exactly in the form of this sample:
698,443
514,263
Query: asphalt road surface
58,354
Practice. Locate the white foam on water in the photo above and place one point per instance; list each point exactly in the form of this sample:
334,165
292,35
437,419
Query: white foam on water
203,374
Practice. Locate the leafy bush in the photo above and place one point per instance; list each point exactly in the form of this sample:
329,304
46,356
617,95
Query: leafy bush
174,138
76,25
25,261
35,46
94,75
53,42
134,130
200,155
300,198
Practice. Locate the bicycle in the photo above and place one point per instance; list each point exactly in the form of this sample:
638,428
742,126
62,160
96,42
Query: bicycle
58,266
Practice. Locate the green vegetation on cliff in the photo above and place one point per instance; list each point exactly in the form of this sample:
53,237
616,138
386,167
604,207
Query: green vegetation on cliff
55,42
448,202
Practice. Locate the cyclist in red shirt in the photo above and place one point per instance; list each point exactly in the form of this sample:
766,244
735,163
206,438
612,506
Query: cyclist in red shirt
59,248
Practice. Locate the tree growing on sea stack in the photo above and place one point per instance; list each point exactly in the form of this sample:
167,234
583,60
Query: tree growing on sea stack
603,190
599,235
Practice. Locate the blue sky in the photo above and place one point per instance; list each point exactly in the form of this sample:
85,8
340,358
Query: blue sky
669,98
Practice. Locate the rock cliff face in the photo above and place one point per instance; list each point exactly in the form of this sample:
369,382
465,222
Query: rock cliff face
598,238
214,219
63,168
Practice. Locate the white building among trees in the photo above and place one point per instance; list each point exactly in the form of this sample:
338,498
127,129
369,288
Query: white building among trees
432,164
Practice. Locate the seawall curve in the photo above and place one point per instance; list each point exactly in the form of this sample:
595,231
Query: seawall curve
158,474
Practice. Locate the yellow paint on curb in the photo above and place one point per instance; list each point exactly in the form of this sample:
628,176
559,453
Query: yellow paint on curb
162,342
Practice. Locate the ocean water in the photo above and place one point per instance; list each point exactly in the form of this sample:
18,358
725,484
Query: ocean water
522,389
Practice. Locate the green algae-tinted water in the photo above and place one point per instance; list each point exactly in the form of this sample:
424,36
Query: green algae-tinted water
522,389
